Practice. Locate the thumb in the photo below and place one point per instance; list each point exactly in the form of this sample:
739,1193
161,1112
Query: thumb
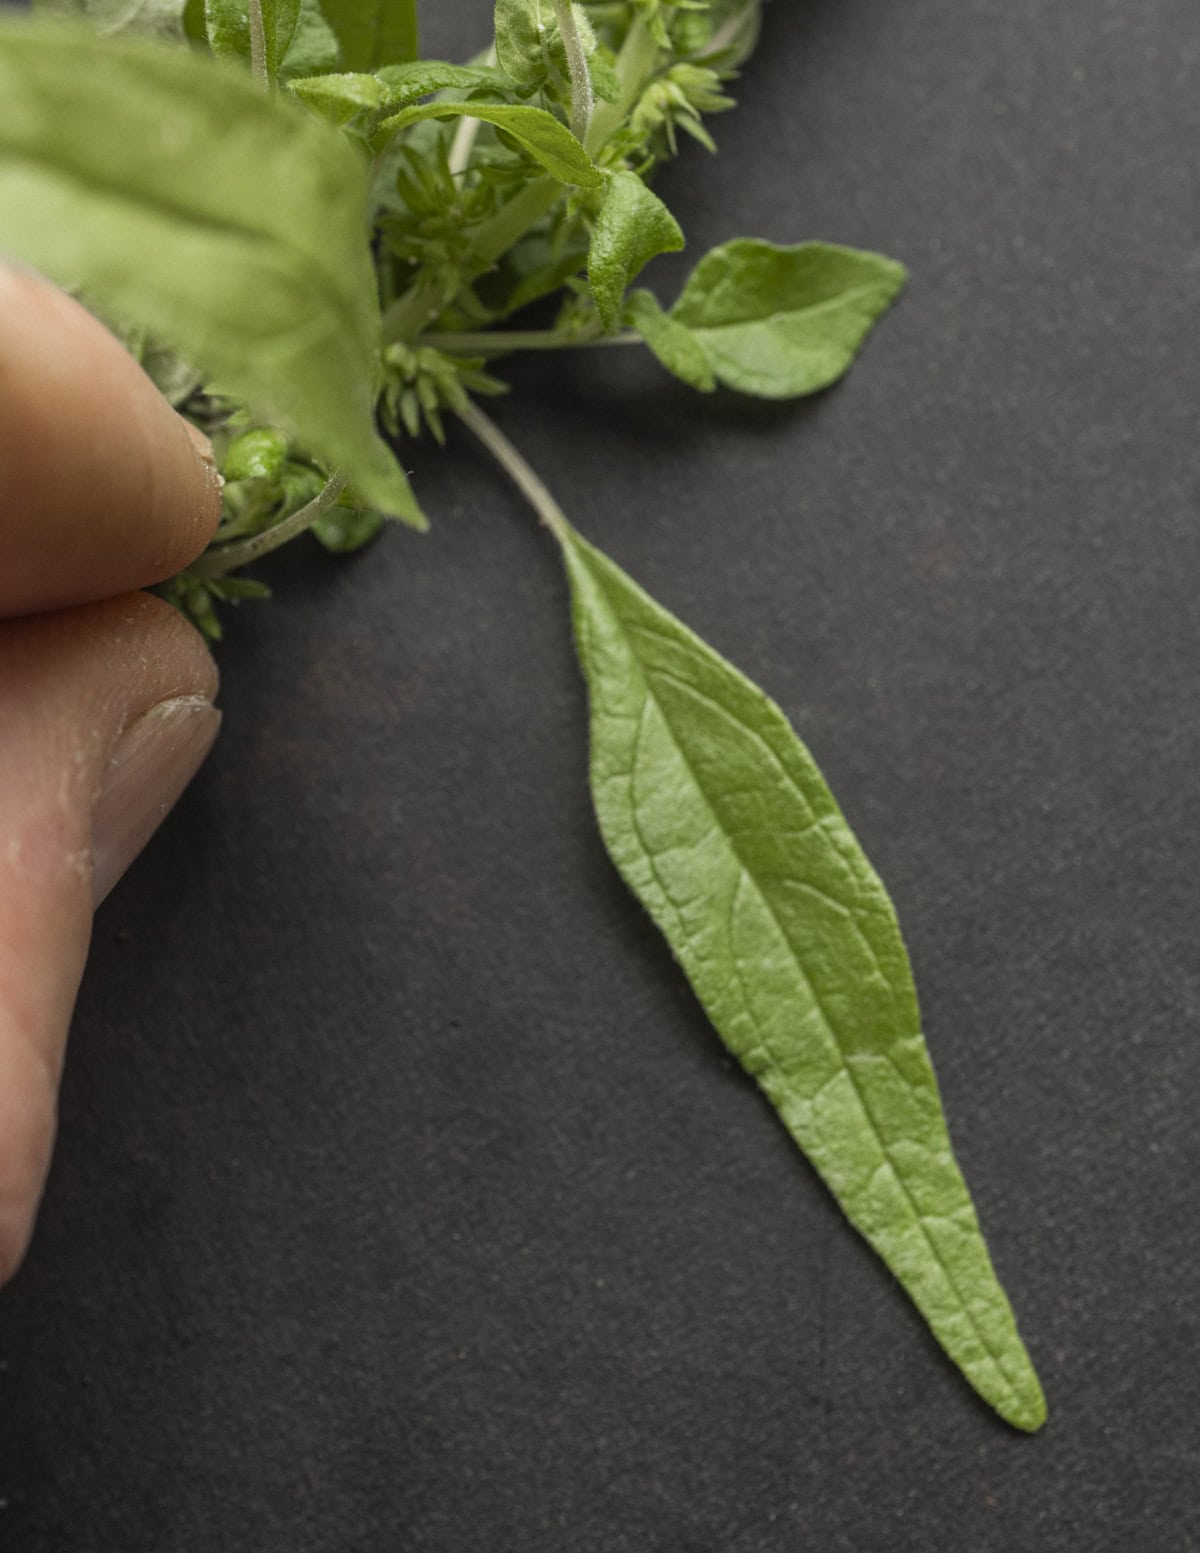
106,713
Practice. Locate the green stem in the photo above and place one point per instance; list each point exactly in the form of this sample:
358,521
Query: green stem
230,558
635,66
500,342
582,96
523,476
258,44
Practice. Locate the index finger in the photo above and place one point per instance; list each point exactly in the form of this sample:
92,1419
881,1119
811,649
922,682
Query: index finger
102,489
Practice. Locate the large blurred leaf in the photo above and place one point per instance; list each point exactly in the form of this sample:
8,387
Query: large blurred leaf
224,219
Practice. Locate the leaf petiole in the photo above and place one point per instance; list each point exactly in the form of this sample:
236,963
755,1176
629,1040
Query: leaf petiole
582,96
230,558
518,469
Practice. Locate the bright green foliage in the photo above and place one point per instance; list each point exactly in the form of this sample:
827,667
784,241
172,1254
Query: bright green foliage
141,195
632,227
721,824
778,322
339,97
242,237
537,132
673,344
373,32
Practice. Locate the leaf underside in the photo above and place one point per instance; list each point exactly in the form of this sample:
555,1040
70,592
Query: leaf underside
720,822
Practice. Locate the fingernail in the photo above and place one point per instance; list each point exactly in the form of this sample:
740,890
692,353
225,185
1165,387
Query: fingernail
203,446
152,762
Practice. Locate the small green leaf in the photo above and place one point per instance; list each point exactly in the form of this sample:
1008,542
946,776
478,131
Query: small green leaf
673,343
536,131
246,252
339,97
374,32
522,39
779,322
721,824
632,227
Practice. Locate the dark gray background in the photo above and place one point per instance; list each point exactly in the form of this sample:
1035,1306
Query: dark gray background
404,1199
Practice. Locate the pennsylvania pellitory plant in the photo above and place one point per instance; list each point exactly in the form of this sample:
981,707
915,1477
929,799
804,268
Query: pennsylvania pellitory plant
297,222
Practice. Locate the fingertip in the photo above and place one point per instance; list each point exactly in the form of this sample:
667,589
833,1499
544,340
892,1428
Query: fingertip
103,488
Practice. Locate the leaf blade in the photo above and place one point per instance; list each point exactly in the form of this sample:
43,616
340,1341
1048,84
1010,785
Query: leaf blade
780,322
721,824
632,227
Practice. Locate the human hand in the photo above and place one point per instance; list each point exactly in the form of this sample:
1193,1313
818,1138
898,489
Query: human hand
106,694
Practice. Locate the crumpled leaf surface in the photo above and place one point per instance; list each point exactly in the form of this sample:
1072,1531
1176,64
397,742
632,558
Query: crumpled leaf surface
721,824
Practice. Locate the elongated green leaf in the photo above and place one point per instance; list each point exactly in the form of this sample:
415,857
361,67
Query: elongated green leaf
721,824
339,97
632,227
246,251
374,32
673,343
536,131
779,322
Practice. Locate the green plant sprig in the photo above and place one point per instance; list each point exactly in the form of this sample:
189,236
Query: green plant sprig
368,244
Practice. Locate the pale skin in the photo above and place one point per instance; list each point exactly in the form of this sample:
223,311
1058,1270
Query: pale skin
106,693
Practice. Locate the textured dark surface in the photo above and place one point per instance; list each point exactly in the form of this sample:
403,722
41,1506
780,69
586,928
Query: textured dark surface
404,1199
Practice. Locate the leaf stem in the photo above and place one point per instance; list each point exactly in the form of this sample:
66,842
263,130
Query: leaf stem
258,44
635,65
583,98
230,558
499,342
463,143
519,471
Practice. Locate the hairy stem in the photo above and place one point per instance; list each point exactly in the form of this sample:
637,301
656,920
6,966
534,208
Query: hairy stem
514,464
635,66
230,558
582,97
258,44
